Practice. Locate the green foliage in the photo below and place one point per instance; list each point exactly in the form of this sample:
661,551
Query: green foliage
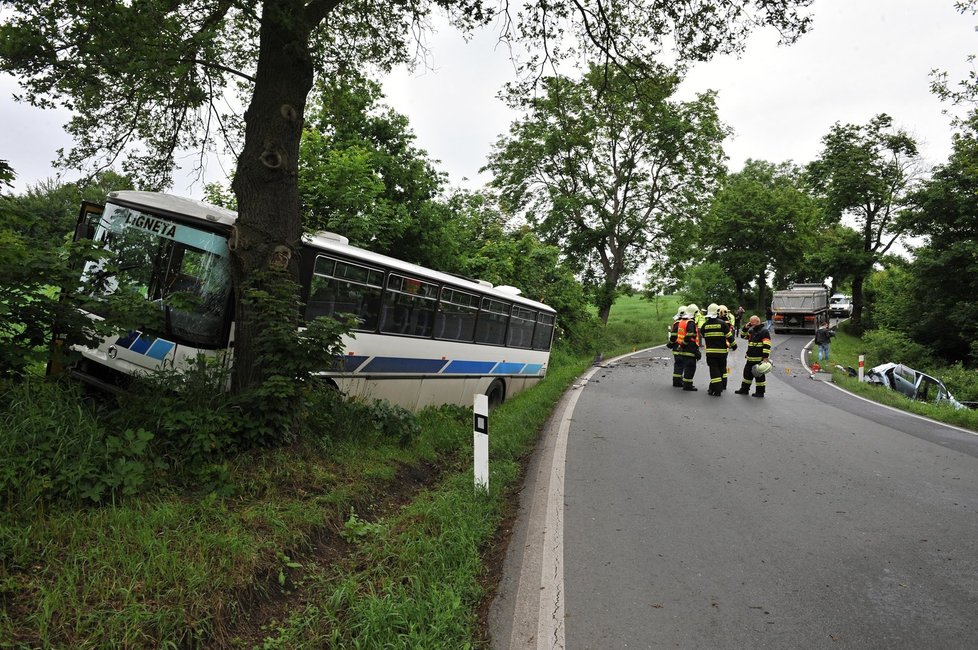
37,264
7,174
361,175
289,358
888,345
761,221
601,166
706,283
864,172
56,449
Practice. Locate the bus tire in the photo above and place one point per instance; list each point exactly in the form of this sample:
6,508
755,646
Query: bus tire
496,393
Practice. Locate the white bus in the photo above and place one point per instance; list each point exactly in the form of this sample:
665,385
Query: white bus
422,337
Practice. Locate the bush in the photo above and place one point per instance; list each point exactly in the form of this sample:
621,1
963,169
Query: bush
962,382
54,448
882,346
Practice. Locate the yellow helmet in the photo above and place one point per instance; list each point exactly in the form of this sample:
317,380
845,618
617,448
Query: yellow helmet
722,310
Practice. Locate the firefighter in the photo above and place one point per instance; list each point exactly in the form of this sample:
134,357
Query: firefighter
758,351
684,342
723,312
717,337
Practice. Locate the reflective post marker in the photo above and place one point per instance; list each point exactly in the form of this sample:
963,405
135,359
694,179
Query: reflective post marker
480,440
861,362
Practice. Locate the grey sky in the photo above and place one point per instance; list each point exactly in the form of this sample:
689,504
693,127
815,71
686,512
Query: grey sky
863,57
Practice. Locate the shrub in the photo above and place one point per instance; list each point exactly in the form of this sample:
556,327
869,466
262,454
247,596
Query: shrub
54,448
882,346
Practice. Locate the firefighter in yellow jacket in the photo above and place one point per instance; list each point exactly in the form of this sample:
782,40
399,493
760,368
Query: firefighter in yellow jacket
758,351
718,337
685,346
723,312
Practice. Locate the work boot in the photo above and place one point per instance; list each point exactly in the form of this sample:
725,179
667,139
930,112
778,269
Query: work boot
758,395
690,388
742,391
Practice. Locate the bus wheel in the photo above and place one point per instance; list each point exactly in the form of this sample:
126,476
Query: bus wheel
496,393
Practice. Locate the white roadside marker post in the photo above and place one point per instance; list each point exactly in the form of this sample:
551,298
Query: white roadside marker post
480,440
862,361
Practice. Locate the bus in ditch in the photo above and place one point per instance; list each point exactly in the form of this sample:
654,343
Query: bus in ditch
421,338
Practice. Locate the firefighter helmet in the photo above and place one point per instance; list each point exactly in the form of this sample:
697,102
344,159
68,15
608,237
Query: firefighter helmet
761,369
691,309
712,310
722,310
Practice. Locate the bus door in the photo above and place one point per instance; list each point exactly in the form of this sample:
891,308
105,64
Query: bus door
88,218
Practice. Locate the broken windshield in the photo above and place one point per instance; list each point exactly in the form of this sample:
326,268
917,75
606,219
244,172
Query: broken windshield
185,270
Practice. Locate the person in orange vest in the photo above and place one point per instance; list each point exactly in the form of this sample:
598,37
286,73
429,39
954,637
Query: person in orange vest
685,345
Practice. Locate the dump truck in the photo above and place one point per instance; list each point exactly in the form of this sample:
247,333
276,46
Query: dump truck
801,308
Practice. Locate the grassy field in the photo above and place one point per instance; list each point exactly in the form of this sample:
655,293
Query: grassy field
338,542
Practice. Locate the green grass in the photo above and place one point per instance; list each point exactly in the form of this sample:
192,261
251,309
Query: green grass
845,350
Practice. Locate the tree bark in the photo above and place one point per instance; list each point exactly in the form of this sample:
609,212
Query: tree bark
856,318
268,230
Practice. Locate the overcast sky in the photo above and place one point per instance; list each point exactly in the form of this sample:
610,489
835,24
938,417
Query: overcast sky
862,57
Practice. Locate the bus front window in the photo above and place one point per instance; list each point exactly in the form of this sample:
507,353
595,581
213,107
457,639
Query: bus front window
184,269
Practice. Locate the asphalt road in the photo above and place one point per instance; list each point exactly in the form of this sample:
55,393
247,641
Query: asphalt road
653,517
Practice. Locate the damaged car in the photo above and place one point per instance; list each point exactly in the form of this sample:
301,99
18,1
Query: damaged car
912,383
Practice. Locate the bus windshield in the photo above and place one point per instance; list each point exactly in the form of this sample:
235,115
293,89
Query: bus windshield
184,269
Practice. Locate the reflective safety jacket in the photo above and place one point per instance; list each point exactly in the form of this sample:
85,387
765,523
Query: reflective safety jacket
758,342
717,335
684,337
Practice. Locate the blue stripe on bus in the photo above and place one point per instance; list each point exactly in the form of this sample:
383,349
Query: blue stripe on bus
470,367
532,369
145,345
400,364
127,340
508,368
140,345
351,362
160,349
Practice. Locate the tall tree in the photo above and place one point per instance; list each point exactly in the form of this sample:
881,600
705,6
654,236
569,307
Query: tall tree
864,173
361,175
760,222
944,272
601,164
146,79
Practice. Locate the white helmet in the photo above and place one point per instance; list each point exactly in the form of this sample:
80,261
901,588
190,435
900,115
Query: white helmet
761,369
712,310
691,309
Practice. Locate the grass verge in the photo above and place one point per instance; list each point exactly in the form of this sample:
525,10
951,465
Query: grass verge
845,350
356,543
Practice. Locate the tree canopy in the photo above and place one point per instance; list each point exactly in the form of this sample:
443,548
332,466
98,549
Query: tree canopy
601,165
864,172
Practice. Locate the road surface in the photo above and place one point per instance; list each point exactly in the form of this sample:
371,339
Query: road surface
655,518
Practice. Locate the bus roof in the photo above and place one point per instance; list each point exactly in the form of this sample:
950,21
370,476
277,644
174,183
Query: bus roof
339,244
178,205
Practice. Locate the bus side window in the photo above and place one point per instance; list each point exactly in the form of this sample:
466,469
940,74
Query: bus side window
322,298
543,334
493,318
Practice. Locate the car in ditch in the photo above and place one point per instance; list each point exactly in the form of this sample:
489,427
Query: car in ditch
912,383
840,305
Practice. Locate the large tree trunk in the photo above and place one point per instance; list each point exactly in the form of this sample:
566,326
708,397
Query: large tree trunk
268,230
857,303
